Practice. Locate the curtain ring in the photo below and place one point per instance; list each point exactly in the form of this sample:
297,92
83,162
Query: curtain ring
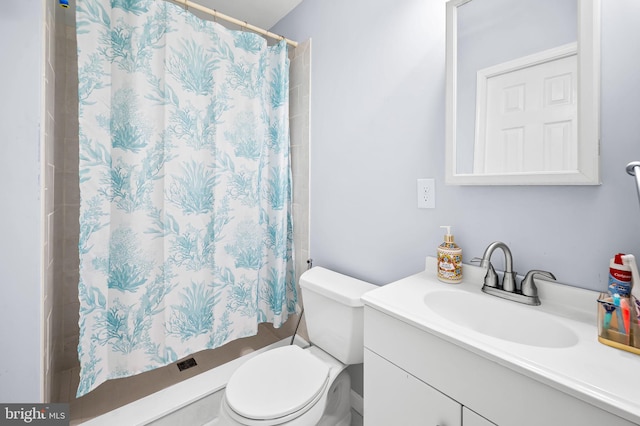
215,16
186,5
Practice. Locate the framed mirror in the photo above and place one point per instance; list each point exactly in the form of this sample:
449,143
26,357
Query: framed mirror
523,92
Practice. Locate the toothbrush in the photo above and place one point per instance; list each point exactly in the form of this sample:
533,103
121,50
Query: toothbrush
630,260
626,315
608,309
616,301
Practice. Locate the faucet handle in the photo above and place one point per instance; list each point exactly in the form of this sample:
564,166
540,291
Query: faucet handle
528,287
491,278
482,262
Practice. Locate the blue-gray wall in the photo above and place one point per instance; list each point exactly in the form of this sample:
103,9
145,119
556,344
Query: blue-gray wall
20,220
377,124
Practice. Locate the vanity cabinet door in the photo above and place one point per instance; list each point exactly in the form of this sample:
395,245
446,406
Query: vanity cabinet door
395,397
471,418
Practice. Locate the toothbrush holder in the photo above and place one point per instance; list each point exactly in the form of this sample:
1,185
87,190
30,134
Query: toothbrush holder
614,329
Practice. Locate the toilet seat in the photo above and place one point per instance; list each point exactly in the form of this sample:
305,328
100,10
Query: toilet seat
279,384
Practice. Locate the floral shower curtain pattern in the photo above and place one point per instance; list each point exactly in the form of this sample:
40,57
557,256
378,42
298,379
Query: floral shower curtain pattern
185,218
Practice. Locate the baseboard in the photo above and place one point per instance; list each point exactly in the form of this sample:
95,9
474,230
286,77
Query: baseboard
357,402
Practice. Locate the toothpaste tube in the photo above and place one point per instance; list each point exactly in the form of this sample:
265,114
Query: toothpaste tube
630,261
619,277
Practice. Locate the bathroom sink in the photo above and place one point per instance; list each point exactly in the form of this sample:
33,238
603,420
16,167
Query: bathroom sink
501,319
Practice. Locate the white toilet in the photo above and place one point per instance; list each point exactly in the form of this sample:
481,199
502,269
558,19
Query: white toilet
294,386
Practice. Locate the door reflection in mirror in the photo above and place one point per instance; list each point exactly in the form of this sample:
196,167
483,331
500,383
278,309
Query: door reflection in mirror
495,32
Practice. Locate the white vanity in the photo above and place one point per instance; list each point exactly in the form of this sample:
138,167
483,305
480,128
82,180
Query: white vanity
449,355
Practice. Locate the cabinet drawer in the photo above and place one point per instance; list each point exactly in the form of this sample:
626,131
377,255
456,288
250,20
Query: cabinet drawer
394,397
469,418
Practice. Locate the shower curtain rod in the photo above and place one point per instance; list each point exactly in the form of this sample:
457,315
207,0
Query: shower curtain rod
189,4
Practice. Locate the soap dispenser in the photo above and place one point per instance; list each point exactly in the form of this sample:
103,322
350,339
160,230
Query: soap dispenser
449,259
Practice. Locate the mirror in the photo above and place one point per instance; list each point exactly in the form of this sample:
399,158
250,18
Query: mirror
523,90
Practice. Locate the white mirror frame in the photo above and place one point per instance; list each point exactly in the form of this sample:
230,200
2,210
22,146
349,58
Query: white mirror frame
588,172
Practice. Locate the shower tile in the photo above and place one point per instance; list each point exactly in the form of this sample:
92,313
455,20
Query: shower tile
295,74
300,164
294,100
70,286
301,228
50,182
71,316
70,249
59,53
71,225
105,398
295,125
58,345
71,65
299,208
71,111
301,263
64,387
71,188
305,120
307,65
71,156
57,199
60,106
69,357
50,101
141,385
75,381
70,33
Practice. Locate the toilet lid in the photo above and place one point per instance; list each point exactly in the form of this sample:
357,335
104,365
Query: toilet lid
276,383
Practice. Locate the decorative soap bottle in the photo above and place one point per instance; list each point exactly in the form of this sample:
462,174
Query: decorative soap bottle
449,259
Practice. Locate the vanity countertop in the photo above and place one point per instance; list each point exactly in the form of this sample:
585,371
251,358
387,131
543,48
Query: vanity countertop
600,375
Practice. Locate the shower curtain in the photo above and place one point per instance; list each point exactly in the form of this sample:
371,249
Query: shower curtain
185,217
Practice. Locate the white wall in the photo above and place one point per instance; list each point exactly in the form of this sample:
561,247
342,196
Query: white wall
377,124
20,225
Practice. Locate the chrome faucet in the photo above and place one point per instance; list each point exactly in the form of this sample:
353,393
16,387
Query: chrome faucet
491,279
528,292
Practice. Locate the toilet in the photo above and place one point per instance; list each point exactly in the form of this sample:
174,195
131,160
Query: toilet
293,386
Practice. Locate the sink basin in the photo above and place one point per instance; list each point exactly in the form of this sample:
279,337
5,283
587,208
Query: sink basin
501,319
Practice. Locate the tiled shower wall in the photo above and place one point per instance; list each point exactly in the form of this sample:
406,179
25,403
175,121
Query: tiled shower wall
66,177
299,122
51,205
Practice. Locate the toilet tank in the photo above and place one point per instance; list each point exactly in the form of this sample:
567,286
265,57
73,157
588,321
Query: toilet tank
334,313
